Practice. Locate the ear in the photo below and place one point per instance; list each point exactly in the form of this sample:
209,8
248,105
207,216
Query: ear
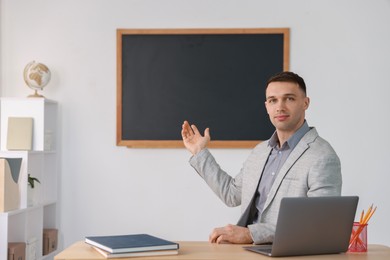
266,107
307,102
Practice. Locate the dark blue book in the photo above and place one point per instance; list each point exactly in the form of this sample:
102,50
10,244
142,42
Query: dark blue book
130,243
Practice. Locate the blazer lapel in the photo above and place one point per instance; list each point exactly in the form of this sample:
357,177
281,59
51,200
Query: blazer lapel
301,147
257,168
252,184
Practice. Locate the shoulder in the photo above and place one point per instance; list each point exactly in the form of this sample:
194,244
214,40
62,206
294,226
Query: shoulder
312,138
261,148
316,144
258,154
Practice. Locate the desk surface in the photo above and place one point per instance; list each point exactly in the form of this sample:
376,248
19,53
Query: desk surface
205,250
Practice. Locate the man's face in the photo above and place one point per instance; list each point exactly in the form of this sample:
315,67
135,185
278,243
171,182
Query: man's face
286,105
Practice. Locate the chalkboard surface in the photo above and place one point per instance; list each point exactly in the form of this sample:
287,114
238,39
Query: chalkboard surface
212,78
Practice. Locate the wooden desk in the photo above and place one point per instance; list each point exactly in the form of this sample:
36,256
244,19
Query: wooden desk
207,251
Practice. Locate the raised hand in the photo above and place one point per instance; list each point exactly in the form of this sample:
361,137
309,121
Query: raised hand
192,139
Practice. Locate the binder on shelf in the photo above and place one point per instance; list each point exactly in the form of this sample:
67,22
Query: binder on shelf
9,188
19,135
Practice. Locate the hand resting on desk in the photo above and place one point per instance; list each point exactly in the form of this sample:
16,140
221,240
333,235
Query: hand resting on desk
231,234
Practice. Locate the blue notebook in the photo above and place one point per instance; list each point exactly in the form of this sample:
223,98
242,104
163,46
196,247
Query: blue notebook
130,243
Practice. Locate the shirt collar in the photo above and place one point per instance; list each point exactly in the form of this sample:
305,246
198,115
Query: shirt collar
293,140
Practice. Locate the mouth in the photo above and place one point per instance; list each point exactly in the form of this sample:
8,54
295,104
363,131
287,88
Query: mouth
281,117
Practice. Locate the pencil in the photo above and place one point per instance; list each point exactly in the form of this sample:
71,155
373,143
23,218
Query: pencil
369,216
363,223
361,217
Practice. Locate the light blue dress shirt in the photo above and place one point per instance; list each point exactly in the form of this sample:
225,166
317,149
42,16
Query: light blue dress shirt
276,159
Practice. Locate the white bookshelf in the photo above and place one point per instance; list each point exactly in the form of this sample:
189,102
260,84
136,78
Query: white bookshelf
27,222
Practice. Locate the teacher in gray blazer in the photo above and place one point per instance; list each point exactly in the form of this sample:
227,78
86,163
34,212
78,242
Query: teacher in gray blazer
294,162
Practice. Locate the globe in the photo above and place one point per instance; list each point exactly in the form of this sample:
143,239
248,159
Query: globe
37,76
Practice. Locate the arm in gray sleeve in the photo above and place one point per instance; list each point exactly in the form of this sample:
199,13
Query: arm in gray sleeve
227,188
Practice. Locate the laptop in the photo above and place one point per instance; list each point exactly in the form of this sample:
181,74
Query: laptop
312,226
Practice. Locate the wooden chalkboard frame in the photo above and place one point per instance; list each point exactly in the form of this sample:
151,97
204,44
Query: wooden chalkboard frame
178,143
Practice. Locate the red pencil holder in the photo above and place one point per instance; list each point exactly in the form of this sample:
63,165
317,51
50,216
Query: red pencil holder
358,240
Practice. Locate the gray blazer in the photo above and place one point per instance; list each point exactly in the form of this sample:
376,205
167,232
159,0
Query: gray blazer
312,169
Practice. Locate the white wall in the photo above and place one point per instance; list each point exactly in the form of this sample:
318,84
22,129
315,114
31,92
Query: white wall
341,48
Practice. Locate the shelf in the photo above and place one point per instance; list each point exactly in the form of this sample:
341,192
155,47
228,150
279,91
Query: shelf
28,221
44,114
29,208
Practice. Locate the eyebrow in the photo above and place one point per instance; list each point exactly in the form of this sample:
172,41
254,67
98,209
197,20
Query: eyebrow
284,95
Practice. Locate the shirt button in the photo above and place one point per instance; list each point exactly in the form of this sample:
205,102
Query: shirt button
280,152
273,173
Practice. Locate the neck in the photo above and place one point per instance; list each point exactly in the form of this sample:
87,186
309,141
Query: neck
284,135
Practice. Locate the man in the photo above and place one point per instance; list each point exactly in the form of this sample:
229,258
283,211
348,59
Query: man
294,162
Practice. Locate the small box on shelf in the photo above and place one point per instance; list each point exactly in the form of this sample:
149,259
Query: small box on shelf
16,251
50,238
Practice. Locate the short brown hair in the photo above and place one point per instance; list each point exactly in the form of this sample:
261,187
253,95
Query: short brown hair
288,76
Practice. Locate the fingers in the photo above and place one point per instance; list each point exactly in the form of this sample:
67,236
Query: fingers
195,129
221,240
186,130
189,130
231,234
220,235
185,126
217,232
207,133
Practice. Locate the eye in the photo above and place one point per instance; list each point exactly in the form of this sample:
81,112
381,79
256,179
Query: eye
271,101
290,99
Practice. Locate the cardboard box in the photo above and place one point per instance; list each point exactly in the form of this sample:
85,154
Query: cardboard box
50,240
16,251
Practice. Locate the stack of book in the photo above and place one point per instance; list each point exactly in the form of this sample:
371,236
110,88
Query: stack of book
132,245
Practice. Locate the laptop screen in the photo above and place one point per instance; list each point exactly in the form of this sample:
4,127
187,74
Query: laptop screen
313,225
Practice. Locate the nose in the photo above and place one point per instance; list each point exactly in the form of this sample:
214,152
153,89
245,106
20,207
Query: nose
281,106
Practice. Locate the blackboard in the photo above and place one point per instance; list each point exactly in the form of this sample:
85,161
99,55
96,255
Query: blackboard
211,77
